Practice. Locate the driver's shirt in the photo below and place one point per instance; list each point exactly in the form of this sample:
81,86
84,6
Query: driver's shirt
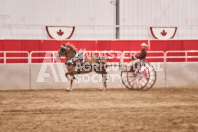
142,55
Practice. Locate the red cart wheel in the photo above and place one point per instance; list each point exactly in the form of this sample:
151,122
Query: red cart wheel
138,78
125,79
142,78
152,76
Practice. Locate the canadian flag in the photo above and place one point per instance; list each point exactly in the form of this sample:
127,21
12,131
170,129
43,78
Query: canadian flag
163,33
60,32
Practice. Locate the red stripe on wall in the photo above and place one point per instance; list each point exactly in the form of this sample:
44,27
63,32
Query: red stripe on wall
100,45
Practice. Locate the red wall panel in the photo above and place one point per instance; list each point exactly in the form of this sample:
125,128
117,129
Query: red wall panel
134,45
190,44
12,45
168,45
34,45
100,45
29,46
1,48
103,45
175,45
88,45
49,45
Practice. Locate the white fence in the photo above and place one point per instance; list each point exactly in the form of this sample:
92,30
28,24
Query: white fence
5,57
24,76
122,55
186,54
174,57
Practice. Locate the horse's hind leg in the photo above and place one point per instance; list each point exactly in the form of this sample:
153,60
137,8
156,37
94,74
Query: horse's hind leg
104,80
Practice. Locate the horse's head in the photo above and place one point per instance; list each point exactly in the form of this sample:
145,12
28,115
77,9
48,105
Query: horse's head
65,50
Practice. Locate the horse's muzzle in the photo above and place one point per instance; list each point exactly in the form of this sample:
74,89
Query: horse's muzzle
58,56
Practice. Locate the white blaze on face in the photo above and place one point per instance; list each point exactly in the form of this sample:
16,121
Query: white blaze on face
58,56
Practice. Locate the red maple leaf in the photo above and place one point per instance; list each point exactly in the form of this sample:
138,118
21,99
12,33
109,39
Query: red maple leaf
163,33
60,32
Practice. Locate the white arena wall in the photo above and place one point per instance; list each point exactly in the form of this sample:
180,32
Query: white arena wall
29,76
14,14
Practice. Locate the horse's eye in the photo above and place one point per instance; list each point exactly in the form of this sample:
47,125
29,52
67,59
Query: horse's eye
62,49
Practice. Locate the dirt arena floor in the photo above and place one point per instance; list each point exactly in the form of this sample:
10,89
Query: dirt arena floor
160,109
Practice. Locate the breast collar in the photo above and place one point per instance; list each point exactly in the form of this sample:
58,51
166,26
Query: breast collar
77,56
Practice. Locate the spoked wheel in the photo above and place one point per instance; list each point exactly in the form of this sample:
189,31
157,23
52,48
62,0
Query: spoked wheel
152,76
138,78
125,79
142,78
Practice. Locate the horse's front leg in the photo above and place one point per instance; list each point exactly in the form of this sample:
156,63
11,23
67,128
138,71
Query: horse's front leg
69,77
70,88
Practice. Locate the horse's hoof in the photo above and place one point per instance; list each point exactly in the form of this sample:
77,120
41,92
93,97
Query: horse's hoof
67,90
100,89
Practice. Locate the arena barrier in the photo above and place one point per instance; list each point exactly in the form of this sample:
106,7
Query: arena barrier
186,72
50,74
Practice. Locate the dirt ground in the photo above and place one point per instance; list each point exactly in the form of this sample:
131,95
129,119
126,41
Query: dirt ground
160,109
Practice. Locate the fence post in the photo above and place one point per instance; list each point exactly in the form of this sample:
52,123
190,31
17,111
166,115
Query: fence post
4,55
53,56
165,55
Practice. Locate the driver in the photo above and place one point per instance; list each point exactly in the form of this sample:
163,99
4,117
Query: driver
138,59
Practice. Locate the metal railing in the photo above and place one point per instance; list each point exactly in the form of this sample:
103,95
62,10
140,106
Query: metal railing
186,54
122,55
110,54
149,57
33,52
174,57
4,58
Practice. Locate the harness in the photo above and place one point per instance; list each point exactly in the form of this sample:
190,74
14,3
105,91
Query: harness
78,56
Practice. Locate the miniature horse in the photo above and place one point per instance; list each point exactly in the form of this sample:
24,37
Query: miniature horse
95,63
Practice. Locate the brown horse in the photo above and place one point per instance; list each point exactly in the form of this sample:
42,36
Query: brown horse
81,65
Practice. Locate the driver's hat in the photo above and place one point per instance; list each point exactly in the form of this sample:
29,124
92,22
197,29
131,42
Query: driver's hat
144,45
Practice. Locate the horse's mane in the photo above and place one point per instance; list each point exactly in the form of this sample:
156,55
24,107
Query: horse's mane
71,46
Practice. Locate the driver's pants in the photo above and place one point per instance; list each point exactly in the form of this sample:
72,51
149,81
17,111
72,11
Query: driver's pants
132,63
